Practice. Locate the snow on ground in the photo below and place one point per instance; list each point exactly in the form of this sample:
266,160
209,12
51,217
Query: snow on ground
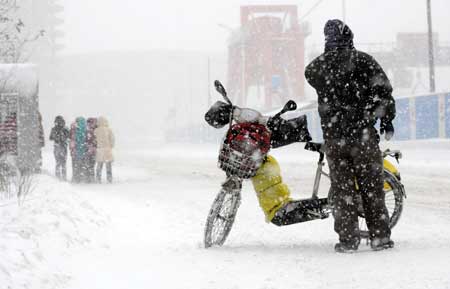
146,229
52,224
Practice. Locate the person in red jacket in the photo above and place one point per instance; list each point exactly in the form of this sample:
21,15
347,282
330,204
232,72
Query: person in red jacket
91,143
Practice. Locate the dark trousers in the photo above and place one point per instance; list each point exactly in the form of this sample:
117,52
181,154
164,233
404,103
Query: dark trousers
108,171
90,162
300,211
356,172
79,169
60,153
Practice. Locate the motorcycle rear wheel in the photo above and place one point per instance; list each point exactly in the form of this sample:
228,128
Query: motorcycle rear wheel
394,194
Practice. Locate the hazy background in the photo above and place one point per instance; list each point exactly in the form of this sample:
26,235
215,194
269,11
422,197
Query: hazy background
193,25
144,64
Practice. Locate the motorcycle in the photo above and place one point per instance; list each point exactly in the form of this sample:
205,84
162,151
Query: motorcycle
244,153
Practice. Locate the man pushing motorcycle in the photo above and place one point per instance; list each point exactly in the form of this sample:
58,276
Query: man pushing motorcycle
244,154
353,93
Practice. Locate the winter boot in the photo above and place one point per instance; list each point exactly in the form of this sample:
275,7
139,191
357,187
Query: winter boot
381,244
345,248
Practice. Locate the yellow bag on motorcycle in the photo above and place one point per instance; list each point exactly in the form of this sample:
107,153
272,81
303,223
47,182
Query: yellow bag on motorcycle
272,193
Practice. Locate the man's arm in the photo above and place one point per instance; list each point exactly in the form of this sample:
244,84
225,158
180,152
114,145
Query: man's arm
311,73
381,90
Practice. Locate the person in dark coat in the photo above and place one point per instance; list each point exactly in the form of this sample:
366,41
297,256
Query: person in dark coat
91,142
60,136
41,144
353,93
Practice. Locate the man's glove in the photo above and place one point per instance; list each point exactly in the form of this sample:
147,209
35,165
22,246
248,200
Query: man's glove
387,128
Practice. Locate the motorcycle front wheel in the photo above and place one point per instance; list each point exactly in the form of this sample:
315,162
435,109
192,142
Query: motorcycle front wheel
221,217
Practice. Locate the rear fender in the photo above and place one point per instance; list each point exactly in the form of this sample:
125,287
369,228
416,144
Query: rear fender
391,168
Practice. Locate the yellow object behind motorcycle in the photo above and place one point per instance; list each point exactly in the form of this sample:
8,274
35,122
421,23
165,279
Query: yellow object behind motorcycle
272,193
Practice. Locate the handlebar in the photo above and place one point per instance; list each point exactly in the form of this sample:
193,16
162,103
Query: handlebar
316,147
394,153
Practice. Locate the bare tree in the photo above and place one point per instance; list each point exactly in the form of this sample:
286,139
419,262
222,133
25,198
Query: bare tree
14,40
13,182
15,36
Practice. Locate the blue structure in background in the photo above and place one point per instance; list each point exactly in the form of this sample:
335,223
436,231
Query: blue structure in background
447,115
276,82
402,120
426,122
427,117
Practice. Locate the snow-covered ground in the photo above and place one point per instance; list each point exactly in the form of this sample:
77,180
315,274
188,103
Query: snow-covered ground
146,229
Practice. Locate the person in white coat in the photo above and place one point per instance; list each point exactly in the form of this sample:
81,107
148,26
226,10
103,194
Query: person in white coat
105,145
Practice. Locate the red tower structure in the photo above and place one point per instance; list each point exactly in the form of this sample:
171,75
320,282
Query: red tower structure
266,57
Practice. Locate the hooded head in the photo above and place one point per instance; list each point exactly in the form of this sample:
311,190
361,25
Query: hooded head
59,121
92,123
102,122
80,122
337,35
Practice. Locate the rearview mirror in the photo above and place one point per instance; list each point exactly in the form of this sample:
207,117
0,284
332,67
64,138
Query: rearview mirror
220,89
289,106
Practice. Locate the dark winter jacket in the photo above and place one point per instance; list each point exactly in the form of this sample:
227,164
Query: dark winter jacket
353,90
60,133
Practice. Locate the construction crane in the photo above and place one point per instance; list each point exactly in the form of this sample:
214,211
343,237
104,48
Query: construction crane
266,57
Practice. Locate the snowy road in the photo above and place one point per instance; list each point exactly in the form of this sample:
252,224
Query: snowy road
158,205
158,216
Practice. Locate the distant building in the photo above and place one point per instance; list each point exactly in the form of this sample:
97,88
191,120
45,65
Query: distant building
406,62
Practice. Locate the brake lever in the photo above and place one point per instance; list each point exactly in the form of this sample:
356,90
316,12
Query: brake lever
398,156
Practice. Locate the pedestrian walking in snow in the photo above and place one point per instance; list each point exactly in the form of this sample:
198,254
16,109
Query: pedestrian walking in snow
60,136
353,93
78,150
105,144
91,143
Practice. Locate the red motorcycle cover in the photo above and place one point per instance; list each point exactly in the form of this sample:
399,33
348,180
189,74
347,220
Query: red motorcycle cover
249,137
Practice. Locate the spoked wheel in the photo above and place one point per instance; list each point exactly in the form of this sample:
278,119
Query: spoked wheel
221,217
394,193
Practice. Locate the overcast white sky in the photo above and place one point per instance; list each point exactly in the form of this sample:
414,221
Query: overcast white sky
193,24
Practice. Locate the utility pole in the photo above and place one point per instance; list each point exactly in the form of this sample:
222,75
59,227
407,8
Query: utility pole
344,12
430,48
209,81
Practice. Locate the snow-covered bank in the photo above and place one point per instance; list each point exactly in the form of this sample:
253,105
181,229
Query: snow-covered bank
54,223
146,229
